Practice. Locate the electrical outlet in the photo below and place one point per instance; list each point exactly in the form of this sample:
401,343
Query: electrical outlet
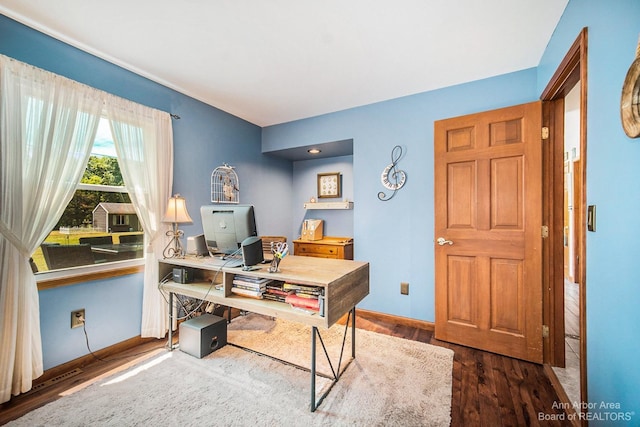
77,318
404,288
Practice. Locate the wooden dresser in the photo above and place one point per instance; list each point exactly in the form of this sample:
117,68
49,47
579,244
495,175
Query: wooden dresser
327,247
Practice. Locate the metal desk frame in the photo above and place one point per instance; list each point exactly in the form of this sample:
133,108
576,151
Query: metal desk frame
336,373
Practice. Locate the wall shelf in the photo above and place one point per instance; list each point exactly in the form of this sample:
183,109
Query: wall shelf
328,205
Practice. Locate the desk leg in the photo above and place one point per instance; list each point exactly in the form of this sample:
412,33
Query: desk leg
314,331
337,373
353,333
170,321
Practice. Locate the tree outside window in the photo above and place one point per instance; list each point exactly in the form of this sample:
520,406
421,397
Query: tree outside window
79,237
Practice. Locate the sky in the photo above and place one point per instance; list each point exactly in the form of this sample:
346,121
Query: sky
103,144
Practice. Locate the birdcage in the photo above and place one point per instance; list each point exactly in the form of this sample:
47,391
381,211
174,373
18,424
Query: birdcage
225,187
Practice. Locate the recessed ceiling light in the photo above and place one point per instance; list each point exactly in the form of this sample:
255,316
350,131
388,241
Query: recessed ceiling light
314,151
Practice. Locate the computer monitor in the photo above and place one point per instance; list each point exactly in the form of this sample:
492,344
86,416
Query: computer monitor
226,226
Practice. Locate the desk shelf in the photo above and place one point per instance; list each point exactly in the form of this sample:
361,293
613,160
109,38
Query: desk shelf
199,290
345,284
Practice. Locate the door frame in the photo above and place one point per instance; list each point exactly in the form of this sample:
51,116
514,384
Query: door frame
572,69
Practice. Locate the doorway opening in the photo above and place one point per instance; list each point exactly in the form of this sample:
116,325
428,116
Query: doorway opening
569,374
565,100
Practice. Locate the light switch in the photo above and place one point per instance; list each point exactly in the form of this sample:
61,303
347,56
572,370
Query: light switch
591,217
404,288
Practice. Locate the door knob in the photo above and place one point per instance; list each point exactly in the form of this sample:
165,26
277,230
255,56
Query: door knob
442,241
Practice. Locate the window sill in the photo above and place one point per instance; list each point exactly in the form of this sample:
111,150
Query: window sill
71,276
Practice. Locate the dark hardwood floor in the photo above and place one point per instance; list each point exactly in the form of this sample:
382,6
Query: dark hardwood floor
488,389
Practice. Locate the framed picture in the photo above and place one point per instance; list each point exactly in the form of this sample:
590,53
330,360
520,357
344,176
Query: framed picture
329,185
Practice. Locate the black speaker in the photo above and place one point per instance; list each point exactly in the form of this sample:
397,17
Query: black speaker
252,251
203,335
197,245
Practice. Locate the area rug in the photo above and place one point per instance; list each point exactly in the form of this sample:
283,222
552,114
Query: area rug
391,382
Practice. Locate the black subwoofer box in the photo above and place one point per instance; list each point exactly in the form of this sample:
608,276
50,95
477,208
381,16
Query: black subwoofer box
203,335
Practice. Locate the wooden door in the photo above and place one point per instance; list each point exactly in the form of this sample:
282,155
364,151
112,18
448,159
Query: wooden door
488,210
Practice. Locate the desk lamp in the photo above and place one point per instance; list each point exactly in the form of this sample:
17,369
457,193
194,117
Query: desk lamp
176,214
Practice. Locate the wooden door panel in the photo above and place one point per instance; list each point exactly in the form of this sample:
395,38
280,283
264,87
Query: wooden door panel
461,139
461,197
506,193
488,202
507,291
462,298
505,132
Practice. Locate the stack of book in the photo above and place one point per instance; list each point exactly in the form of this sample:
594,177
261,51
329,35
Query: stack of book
253,287
303,297
275,291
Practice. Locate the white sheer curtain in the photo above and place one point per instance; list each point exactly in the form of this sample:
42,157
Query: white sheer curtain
144,142
47,127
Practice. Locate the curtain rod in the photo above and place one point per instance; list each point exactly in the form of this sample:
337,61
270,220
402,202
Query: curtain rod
173,116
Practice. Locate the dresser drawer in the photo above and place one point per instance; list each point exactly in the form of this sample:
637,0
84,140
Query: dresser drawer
328,247
322,251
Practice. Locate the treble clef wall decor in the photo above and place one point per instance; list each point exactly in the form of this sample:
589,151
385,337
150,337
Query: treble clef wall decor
391,177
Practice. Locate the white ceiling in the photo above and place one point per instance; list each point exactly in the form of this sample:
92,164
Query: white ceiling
276,61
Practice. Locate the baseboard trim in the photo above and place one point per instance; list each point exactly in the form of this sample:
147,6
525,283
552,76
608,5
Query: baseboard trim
398,320
83,361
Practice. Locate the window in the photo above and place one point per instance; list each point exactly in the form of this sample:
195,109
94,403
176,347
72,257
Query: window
99,225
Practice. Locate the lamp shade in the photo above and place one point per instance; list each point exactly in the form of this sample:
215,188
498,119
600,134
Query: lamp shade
177,211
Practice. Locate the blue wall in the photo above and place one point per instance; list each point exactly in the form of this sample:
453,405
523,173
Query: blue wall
204,138
112,313
305,186
613,277
396,237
